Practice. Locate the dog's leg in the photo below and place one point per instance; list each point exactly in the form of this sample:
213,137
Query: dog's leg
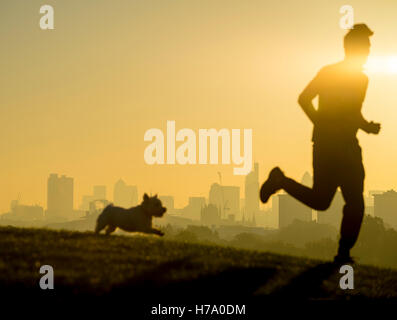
101,222
110,229
156,231
99,227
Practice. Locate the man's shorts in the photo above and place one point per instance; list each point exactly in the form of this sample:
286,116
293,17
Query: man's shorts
338,164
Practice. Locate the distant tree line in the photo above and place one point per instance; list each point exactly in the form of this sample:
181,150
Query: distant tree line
377,245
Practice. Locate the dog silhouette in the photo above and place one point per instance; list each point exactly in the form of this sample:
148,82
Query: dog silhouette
135,219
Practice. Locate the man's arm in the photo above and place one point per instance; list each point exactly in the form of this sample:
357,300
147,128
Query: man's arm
368,127
363,124
306,97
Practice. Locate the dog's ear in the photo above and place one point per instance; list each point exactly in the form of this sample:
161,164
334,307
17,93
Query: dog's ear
155,196
145,197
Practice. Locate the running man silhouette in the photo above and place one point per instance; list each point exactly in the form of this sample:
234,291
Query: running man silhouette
337,160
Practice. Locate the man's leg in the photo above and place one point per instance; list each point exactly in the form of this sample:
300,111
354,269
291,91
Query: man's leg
353,211
324,182
318,198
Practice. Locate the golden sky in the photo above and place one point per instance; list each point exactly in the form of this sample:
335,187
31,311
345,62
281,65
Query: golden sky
77,100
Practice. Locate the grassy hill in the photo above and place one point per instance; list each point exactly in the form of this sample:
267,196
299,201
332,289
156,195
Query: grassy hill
86,265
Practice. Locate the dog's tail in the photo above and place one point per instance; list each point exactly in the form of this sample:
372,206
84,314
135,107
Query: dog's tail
103,218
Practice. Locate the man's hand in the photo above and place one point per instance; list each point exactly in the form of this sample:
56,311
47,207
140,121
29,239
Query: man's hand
373,127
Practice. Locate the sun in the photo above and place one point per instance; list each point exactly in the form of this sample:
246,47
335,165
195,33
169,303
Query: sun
392,64
386,64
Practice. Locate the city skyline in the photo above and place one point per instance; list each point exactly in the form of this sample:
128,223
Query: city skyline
79,201
89,96
226,202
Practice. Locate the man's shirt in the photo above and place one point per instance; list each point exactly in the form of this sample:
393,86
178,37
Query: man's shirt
341,93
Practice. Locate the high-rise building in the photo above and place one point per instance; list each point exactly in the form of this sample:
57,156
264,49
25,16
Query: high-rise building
285,209
99,193
124,195
385,207
369,201
168,202
59,196
85,202
193,209
210,215
251,203
307,179
226,199
333,215
290,209
24,212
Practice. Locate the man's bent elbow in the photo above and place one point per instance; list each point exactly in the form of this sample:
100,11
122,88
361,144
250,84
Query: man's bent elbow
302,100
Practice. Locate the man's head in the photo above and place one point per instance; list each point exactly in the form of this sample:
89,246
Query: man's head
357,44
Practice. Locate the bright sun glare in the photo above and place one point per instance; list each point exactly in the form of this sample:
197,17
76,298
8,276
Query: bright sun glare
382,64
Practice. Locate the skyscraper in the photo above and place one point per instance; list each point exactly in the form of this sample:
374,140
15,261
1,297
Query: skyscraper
369,201
124,195
385,207
333,215
59,196
25,212
226,199
307,179
99,193
251,202
210,215
168,202
290,209
193,209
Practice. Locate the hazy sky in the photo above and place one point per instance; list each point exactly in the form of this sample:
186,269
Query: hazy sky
77,100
